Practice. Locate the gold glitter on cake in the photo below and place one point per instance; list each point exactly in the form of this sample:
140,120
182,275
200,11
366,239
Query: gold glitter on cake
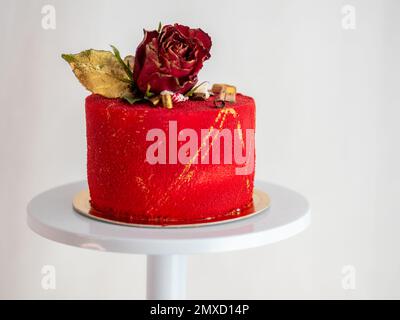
248,183
142,184
187,174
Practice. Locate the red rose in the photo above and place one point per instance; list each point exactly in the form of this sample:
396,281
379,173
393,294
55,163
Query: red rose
170,59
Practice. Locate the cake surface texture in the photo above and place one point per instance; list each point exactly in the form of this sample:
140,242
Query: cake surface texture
152,165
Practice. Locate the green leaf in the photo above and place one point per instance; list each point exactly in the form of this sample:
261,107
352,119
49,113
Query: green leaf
123,64
190,92
148,94
132,99
159,27
100,72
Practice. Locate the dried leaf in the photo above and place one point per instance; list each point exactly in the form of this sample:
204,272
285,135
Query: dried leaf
131,98
100,72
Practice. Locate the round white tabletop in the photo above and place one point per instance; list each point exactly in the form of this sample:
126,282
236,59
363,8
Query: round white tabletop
50,214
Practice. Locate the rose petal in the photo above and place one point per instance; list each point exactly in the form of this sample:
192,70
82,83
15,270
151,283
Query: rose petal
170,60
140,55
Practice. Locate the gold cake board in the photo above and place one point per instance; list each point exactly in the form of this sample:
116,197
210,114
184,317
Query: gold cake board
81,204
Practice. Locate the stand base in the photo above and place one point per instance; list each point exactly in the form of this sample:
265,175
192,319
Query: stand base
166,277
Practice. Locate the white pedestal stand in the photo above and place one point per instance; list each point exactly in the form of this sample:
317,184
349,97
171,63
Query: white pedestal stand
51,215
166,277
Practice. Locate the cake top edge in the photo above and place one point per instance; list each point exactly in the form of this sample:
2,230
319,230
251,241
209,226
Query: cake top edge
187,106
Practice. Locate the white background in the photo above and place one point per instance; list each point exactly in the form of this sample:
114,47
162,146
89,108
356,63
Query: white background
328,114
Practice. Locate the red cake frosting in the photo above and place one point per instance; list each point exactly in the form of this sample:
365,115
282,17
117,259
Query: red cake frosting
124,186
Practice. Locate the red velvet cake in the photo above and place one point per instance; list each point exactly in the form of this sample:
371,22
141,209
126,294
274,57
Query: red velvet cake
162,149
124,186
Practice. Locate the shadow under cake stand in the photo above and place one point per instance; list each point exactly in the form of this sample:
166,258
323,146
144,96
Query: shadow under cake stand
50,214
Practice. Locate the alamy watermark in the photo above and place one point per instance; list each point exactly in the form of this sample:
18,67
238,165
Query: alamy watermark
348,17
48,17
48,277
349,277
197,146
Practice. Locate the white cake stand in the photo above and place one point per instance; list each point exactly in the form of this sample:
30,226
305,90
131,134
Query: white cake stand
50,214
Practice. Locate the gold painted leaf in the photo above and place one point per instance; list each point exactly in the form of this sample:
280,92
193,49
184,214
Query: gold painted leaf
100,72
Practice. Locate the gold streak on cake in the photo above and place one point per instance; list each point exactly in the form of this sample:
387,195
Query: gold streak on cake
240,132
223,113
186,175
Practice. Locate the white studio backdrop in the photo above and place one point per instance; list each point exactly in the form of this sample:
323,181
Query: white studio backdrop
325,77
